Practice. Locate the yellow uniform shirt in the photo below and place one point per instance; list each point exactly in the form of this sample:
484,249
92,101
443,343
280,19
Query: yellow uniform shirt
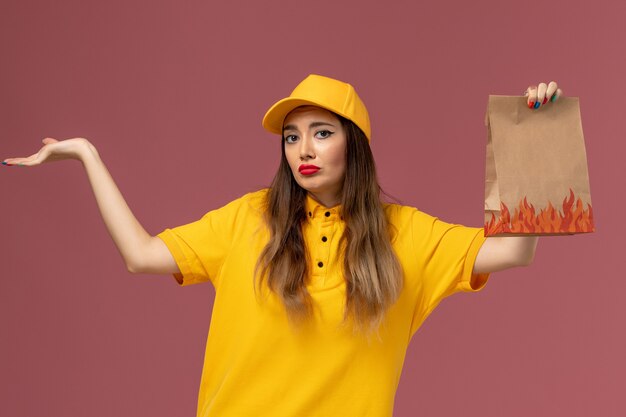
256,365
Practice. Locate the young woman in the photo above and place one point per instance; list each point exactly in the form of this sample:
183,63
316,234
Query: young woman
320,286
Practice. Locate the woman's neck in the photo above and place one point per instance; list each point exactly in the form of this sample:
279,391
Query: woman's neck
326,200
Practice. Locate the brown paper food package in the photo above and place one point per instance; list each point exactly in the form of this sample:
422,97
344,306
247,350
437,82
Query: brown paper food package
536,180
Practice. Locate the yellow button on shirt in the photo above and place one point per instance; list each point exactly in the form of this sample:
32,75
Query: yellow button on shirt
255,364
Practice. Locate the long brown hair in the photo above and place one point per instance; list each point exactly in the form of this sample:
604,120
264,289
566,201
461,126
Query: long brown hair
371,269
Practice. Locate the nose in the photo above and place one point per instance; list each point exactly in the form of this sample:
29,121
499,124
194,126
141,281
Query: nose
306,149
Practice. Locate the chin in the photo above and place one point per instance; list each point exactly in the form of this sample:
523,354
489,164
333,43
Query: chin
307,187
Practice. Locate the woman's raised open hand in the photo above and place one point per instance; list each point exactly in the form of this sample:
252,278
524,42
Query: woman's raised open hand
140,251
53,150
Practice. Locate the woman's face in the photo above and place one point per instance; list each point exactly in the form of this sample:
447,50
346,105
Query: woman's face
315,147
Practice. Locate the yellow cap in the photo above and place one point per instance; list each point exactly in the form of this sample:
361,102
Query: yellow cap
316,90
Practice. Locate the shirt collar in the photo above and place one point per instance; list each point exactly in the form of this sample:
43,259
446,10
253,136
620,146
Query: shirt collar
317,211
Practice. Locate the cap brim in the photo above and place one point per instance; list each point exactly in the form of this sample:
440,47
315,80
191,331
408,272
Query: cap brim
275,116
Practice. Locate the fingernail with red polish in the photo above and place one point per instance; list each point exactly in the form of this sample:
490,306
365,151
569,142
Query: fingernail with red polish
545,100
531,104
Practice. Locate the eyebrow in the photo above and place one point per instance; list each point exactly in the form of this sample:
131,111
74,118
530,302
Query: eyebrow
311,126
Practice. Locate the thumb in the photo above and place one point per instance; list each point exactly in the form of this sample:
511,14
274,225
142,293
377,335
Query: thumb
49,140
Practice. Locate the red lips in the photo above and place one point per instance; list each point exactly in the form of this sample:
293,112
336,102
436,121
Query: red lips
308,169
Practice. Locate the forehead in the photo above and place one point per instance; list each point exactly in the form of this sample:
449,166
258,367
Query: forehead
309,112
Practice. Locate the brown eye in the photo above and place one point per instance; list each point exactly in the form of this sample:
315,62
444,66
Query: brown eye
323,134
290,138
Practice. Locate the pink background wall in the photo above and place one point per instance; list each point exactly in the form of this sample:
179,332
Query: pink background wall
172,95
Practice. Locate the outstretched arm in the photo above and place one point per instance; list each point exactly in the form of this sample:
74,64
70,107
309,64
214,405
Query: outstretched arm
503,252
140,251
